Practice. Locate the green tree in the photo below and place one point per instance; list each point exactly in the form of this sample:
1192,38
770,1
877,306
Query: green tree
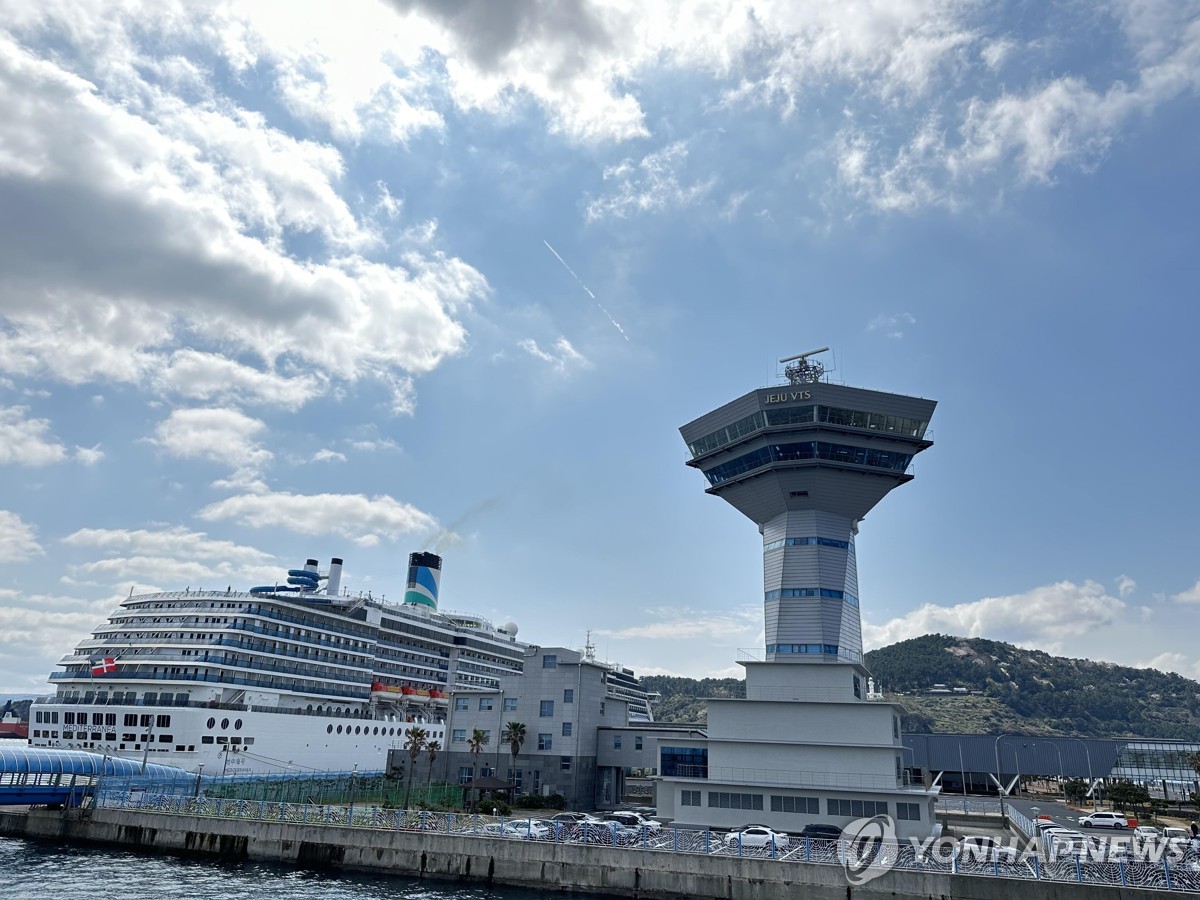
1123,794
514,733
432,748
414,743
475,743
1075,789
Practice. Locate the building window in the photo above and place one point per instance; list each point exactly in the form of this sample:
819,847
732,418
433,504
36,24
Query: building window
909,811
546,709
616,742
550,661
896,727
856,808
857,688
689,798
462,704
485,704
514,778
565,764
568,695
545,741
458,736
729,800
637,742
803,805
683,762
601,707
464,774
566,729
510,704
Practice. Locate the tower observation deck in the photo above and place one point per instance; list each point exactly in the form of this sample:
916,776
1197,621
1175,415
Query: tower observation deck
806,461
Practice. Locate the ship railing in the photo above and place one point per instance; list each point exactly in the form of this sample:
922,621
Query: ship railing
1019,861
314,687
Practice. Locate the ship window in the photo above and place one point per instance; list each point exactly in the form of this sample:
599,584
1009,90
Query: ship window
224,724
376,731
237,725
163,722
211,722
166,739
339,729
329,729
358,729
248,740
206,738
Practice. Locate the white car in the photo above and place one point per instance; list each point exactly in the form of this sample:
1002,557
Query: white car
633,820
524,828
1104,819
1146,834
757,836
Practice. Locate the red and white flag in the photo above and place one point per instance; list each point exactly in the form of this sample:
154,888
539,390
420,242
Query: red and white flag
104,666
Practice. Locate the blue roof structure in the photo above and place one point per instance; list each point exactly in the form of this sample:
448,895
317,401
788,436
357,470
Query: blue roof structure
43,761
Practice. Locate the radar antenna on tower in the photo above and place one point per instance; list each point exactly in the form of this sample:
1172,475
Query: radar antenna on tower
799,369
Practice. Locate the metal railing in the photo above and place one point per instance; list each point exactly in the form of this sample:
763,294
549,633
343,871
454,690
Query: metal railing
794,778
1179,871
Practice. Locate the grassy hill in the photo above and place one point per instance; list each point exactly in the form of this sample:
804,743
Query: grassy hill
1012,690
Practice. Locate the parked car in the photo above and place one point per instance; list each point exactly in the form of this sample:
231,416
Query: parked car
1146,834
757,836
528,829
633,820
820,832
573,818
1104,819
977,848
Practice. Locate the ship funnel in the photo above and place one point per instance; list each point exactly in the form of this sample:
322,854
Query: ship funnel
334,584
424,575
310,565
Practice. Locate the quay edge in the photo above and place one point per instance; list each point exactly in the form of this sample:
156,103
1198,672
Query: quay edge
561,868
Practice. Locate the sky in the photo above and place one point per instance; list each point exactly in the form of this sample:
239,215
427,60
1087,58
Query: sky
287,280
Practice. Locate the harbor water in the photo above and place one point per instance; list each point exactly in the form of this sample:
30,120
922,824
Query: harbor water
33,870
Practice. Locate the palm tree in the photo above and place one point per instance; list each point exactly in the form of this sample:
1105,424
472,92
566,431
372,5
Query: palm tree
478,740
514,733
432,748
414,744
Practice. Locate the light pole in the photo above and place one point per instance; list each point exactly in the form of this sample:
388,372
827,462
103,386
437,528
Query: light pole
1091,777
1062,780
999,783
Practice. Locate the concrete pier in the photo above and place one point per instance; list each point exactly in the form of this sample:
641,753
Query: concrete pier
565,868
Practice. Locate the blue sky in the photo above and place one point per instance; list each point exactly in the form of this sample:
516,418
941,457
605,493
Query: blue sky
276,281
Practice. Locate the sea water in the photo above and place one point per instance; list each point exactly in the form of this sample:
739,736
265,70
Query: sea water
36,870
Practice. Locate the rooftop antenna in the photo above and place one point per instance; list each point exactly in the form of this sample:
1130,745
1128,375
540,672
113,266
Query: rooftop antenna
799,369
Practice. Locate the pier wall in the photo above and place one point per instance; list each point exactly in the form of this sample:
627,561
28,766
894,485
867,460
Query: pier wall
564,868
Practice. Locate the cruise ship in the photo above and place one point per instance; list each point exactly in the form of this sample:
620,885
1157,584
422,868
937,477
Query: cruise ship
299,675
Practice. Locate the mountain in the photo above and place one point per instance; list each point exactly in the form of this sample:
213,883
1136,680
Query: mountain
987,687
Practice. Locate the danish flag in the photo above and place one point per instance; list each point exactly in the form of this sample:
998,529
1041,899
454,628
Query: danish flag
104,666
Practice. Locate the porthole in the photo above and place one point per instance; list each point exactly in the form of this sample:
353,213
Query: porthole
212,722
237,725
339,729
377,729
224,723
357,729
329,729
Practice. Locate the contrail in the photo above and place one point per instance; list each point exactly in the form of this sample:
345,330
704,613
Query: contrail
616,324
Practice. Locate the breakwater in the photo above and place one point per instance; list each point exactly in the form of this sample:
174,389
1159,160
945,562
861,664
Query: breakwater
472,859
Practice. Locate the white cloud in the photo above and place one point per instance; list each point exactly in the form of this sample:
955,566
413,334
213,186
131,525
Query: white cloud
684,624
1042,617
1170,661
891,325
561,358
363,520
1125,586
160,220
225,436
27,442
651,185
18,539
89,456
326,455
1191,595
176,542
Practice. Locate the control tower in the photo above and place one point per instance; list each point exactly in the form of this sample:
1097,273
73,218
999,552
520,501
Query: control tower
806,461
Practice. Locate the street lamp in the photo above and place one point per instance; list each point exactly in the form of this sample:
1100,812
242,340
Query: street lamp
1062,780
999,784
1091,778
